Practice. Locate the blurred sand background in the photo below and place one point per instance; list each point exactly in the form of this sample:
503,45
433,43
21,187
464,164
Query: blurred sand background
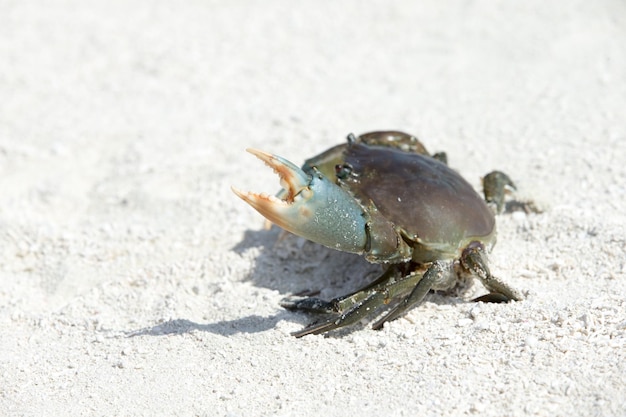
133,282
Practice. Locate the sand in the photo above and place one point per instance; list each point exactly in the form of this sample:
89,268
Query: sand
133,281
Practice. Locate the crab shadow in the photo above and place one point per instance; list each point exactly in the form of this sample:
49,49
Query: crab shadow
292,265
248,324
287,264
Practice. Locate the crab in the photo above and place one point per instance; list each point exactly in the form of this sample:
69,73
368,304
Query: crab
382,195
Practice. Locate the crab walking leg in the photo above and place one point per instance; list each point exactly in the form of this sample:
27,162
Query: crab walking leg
338,304
474,262
361,309
353,308
495,185
308,304
434,274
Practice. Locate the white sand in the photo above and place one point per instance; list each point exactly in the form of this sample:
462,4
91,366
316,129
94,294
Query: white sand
133,282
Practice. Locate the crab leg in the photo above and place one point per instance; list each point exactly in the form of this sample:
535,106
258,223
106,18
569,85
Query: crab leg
495,186
353,308
354,314
338,304
474,263
432,275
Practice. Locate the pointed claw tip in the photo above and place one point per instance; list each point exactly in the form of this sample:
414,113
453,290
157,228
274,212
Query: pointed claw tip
237,191
246,196
292,178
262,155
272,161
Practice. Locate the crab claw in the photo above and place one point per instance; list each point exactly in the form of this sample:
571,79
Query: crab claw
311,206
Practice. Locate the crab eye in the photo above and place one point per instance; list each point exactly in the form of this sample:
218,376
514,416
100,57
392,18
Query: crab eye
342,171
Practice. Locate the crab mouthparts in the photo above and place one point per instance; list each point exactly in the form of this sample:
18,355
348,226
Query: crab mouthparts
292,179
